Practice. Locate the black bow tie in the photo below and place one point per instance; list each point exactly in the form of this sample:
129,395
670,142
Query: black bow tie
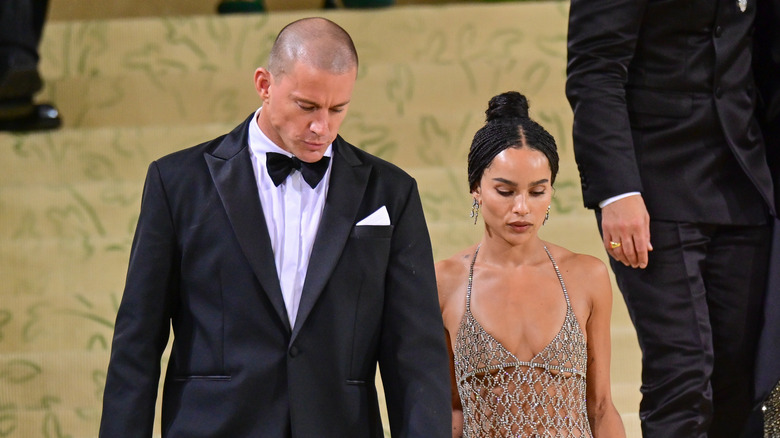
280,165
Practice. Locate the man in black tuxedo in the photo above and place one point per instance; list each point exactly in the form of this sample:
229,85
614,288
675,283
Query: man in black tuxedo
21,26
766,63
289,263
669,152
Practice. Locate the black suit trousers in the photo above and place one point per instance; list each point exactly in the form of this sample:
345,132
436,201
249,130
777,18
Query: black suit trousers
21,27
768,361
696,311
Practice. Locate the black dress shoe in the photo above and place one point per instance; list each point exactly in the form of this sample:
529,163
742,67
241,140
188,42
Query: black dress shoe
41,117
240,6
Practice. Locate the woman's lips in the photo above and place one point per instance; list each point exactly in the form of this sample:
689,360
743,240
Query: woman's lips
520,226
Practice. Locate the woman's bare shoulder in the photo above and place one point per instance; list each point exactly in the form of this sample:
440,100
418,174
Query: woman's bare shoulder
577,263
581,271
453,271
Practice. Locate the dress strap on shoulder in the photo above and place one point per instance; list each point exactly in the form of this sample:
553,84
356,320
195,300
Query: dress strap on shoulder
560,277
471,279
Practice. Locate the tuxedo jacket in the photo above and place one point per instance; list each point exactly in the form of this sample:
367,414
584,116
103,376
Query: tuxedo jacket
767,72
201,264
664,100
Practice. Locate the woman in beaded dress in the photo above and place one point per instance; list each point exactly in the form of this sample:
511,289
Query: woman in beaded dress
527,321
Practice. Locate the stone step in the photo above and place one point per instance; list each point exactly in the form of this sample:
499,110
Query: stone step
79,244
83,155
60,10
65,289
74,319
411,140
79,226
401,90
449,34
47,406
82,272
38,402
194,70
107,205
415,139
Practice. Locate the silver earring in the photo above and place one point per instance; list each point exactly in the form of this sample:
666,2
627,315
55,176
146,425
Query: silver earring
475,210
547,215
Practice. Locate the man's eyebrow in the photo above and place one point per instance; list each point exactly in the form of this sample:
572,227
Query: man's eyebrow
315,104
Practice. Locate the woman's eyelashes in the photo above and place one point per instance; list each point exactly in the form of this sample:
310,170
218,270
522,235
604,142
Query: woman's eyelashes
533,192
504,192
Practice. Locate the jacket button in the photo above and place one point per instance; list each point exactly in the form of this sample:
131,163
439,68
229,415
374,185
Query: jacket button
718,92
294,351
718,31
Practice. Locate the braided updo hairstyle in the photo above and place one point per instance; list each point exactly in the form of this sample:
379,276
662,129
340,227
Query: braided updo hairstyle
508,125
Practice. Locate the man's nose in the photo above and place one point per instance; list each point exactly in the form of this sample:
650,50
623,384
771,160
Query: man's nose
319,124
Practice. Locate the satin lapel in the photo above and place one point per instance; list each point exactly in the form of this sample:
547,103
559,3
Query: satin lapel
348,181
231,169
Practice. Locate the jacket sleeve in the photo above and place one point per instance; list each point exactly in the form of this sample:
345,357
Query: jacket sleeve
413,356
766,66
602,37
143,320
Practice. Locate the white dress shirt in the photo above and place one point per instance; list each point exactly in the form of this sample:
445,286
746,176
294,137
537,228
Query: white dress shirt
292,212
608,201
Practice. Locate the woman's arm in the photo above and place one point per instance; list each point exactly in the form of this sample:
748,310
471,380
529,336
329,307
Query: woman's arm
447,274
602,414
457,408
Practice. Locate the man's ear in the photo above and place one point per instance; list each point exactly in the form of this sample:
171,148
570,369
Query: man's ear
263,80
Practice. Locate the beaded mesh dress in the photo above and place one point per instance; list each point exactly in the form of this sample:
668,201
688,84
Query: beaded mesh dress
771,410
506,397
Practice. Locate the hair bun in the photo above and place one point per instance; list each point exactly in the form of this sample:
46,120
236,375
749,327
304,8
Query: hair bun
507,106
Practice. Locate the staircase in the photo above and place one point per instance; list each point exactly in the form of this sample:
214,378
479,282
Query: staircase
131,89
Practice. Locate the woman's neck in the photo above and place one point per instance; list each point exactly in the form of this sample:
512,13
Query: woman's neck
499,252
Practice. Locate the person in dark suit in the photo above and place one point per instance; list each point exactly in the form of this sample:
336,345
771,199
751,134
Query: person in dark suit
672,160
283,290
766,65
21,26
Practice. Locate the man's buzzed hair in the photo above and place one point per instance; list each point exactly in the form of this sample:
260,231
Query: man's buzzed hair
317,42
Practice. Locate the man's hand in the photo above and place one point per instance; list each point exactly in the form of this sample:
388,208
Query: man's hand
625,225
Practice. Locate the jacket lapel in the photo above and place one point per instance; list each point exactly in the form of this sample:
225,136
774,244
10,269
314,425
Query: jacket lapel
348,181
231,169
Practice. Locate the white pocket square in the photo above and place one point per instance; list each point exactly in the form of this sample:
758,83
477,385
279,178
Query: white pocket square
379,217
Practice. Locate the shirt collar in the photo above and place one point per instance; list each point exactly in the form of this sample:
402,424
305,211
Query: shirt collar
260,144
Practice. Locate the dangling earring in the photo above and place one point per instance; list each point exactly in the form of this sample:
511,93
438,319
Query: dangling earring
547,215
475,210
